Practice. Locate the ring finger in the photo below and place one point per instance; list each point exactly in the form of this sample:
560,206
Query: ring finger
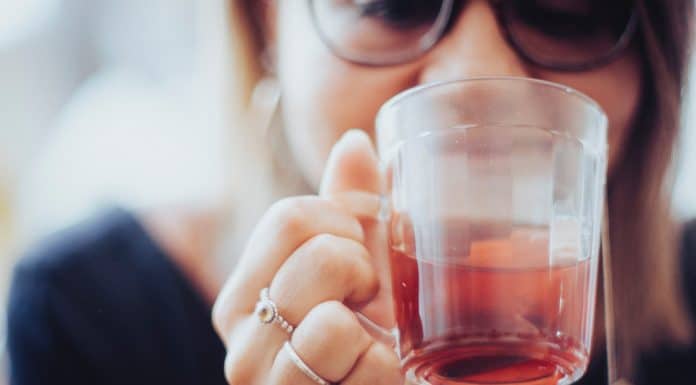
324,268
330,340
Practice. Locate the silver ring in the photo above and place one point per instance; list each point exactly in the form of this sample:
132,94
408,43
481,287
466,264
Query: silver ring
267,311
302,366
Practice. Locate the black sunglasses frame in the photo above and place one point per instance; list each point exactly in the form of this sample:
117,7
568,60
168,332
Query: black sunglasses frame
440,27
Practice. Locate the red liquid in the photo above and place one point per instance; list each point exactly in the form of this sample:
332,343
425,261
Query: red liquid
490,310
498,360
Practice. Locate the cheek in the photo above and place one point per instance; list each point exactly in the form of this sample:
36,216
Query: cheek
617,88
324,96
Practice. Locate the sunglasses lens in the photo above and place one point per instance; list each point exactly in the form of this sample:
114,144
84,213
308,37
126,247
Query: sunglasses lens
560,34
379,31
563,33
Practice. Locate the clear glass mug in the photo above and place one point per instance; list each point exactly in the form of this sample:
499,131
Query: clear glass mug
495,188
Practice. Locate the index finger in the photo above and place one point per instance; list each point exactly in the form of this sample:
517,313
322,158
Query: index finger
284,227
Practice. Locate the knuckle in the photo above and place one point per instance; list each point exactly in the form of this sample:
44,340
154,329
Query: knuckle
379,365
384,356
344,261
291,213
223,315
236,373
322,245
218,316
335,317
372,282
326,256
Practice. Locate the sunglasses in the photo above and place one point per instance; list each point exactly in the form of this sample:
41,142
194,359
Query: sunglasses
561,35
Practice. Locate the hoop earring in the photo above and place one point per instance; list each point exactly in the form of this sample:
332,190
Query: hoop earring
265,97
264,103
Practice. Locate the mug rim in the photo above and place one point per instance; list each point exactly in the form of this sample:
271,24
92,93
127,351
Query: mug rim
567,90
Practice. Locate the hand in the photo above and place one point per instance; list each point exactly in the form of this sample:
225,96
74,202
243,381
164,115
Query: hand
311,253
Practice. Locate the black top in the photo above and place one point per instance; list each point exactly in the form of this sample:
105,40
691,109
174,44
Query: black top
103,304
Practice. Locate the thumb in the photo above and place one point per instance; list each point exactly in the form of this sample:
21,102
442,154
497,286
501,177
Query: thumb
352,178
352,174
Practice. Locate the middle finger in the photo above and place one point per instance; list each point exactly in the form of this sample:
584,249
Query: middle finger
324,268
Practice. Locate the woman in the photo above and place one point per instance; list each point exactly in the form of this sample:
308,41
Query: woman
73,318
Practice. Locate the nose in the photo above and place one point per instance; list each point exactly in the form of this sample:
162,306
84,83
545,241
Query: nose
474,46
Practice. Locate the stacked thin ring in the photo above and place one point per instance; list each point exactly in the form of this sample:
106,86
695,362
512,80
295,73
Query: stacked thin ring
304,368
267,312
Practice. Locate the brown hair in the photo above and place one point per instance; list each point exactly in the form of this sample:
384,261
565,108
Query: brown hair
648,300
648,294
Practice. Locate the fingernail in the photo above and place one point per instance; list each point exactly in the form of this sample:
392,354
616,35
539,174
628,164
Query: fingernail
356,135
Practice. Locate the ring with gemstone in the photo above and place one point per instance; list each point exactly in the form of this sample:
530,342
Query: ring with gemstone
267,311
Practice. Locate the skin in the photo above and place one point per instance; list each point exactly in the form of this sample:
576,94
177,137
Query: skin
324,238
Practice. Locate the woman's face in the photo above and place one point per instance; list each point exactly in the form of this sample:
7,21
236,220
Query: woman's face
323,95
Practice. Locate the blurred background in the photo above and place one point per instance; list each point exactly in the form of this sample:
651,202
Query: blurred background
106,102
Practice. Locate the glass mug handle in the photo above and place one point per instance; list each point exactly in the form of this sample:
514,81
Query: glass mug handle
379,333
368,206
